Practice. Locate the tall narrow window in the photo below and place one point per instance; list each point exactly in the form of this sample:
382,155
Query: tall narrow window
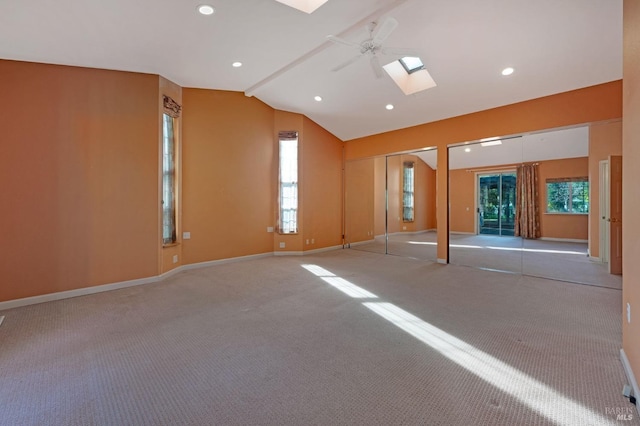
169,176
168,180
408,185
288,181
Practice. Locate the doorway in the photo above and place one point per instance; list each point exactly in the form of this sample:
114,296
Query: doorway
496,203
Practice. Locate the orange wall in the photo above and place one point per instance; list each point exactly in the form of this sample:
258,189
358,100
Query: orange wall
462,197
630,188
229,160
380,195
80,151
462,202
322,193
359,200
605,139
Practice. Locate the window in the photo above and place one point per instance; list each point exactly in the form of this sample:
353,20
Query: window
408,168
168,180
568,195
411,64
288,182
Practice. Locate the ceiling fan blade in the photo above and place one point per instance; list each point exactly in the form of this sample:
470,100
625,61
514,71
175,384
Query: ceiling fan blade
339,40
347,63
399,51
384,30
377,68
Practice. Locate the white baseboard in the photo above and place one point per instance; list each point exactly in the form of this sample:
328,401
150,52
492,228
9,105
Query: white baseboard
322,250
630,376
288,253
16,303
564,240
219,262
442,261
462,233
359,243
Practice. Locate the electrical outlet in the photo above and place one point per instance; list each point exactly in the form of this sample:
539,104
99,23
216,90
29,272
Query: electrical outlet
186,235
175,258
269,228
307,241
313,241
404,228
628,313
282,245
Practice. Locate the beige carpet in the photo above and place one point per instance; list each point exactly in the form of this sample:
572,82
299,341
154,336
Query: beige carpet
358,339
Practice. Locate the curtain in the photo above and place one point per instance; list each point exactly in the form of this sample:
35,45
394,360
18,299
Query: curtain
527,199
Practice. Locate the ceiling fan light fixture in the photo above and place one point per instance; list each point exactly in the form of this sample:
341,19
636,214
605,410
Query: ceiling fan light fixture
306,6
205,9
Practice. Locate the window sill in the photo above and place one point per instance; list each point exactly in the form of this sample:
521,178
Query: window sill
567,214
170,245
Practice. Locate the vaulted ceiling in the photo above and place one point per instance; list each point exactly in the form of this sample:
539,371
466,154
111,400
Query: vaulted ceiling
553,46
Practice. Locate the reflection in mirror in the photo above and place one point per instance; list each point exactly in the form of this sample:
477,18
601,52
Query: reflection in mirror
390,205
569,188
411,213
558,230
482,205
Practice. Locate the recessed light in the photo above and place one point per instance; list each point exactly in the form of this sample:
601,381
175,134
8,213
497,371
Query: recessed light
467,150
507,71
318,98
236,64
205,9
389,107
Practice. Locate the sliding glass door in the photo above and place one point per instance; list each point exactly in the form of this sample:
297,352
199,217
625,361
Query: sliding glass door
496,203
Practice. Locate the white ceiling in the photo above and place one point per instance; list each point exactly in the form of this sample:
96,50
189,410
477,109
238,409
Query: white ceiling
552,145
554,46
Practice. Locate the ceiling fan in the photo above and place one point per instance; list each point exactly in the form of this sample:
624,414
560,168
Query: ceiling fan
372,46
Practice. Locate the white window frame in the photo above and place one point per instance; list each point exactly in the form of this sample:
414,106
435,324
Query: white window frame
288,149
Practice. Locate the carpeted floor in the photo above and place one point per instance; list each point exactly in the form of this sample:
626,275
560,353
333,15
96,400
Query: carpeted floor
565,261
342,337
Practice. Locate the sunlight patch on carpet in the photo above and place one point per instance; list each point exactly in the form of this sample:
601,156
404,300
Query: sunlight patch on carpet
529,391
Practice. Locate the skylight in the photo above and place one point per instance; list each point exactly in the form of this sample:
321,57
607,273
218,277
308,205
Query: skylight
410,75
411,64
306,6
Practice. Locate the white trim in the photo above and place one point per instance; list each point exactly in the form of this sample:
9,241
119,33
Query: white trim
288,253
322,250
359,243
442,261
630,376
221,261
564,240
16,303
463,233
